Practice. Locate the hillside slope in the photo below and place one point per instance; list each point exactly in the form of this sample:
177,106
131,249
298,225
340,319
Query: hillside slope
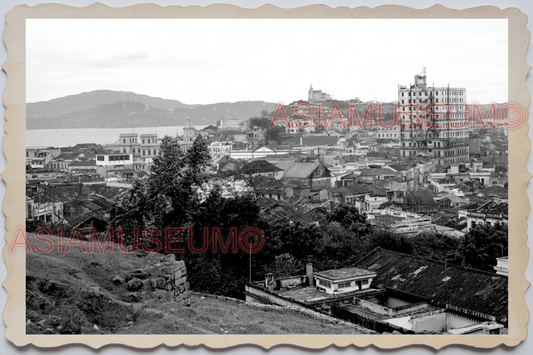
74,293
119,109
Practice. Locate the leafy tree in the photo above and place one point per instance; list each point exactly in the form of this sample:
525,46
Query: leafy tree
483,244
263,122
285,265
350,218
264,113
196,160
434,246
131,211
391,241
168,196
275,133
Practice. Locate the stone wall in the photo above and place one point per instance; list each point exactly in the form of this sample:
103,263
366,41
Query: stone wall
164,278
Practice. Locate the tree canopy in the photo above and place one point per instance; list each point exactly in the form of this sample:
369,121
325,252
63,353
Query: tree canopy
483,244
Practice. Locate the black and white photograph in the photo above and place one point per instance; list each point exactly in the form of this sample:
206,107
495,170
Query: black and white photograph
266,176
221,176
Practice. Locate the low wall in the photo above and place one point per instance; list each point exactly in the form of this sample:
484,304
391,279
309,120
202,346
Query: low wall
255,294
366,322
374,307
164,279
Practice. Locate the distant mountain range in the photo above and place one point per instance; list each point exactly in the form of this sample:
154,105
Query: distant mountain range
119,109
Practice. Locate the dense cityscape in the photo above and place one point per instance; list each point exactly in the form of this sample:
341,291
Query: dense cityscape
392,226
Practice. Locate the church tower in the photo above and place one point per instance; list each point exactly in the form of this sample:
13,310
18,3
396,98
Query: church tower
189,135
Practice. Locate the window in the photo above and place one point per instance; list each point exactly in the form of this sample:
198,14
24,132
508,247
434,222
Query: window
100,157
364,282
324,283
344,285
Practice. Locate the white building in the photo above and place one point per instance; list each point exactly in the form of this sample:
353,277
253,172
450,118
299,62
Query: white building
231,124
113,161
433,122
343,280
219,149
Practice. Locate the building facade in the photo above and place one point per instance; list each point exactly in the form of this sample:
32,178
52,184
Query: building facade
433,122
317,95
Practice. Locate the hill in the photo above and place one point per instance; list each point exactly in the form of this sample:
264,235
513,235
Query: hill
76,292
119,109
86,100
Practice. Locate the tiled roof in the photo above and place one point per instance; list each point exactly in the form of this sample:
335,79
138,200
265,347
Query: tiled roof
67,156
455,199
344,274
270,185
494,190
404,167
297,170
374,191
376,155
259,166
466,288
422,197
92,206
377,172
494,208
312,140
83,163
340,190
358,189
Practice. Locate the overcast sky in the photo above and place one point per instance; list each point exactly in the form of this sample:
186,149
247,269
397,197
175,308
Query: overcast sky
211,60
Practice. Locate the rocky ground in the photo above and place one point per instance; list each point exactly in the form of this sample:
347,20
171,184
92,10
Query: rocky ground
110,293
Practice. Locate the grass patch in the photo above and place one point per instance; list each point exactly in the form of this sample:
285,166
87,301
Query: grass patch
73,293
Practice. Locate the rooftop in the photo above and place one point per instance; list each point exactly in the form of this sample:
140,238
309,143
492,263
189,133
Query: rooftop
315,140
469,289
344,274
310,294
297,170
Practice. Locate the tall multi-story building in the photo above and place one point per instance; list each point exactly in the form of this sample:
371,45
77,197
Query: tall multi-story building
433,122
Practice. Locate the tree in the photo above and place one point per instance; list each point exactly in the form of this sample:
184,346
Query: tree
483,244
131,211
168,192
275,133
168,196
263,122
350,218
434,246
390,241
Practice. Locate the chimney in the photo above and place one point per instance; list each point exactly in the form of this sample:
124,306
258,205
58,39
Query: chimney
309,273
269,281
